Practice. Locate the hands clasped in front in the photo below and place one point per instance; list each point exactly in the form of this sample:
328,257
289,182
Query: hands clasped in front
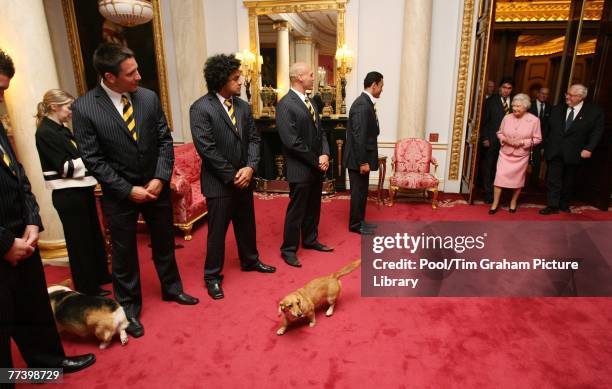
323,163
243,177
23,247
149,192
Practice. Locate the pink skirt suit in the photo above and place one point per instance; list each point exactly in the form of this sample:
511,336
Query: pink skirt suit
512,162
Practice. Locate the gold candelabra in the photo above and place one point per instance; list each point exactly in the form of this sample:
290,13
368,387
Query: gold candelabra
248,61
344,65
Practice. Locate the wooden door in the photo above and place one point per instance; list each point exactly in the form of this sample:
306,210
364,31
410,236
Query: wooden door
479,81
594,182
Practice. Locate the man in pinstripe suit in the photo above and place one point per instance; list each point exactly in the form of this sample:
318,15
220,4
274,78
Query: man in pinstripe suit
306,153
125,142
224,134
25,312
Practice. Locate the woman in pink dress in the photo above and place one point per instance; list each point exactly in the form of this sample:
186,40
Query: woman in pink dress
518,133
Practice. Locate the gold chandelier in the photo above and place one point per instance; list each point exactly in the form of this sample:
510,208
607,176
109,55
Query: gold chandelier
126,13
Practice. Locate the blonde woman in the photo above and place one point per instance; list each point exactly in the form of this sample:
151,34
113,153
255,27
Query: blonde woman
518,133
73,192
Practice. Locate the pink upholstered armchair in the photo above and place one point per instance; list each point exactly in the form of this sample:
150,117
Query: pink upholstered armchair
188,203
410,166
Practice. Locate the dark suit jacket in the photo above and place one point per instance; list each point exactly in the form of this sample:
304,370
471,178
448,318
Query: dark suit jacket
18,207
584,134
544,119
361,142
303,140
108,149
222,149
492,117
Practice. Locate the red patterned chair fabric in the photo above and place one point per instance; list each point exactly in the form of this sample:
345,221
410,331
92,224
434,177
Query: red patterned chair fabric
188,203
411,163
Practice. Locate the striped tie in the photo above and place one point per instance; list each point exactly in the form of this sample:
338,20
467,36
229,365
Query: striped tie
7,160
506,107
74,143
376,114
311,110
128,116
230,111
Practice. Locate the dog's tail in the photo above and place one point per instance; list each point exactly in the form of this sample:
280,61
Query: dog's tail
347,269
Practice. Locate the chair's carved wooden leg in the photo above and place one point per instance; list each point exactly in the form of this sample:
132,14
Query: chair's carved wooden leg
434,200
392,191
186,231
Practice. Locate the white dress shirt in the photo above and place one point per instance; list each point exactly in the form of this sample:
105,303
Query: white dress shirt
115,98
577,109
222,100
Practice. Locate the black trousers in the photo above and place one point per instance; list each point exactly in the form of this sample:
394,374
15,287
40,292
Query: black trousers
303,215
77,211
122,217
534,177
26,315
359,197
240,210
560,178
489,168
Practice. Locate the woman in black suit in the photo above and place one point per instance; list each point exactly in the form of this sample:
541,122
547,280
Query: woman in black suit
73,193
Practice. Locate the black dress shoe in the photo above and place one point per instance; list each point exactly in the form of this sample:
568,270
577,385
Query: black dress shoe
135,328
548,211
362,231
292,260
102,292
259,267
181,298
76,363
214,289
565,209
512,210
319,247
492,211
369,226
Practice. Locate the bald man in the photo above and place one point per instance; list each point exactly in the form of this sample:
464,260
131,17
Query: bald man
573,131
306,153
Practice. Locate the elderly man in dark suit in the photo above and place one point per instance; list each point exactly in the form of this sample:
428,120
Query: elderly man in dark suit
125,142
495,108
25,313
573,131
361,155
224,134
306,153
540,108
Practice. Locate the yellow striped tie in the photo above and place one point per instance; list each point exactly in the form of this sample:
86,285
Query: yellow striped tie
7,160
376,114
311,109
74,144
230,110
128,116
506,107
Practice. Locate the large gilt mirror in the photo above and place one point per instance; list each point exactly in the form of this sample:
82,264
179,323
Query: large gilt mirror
284,32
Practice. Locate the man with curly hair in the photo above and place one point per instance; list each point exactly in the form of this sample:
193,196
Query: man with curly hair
26,314
224,135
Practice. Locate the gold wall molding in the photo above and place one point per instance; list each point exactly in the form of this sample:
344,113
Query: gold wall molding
267,7
552,46
549,11
52,249
77,55
462,83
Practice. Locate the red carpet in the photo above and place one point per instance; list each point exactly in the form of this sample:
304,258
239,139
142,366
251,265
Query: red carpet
369,342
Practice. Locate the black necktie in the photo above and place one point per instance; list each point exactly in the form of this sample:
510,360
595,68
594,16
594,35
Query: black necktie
570,119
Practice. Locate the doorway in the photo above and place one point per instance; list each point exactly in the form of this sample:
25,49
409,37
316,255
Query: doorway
537,44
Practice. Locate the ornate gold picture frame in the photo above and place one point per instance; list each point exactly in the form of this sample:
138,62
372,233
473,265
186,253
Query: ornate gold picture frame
84,28
267,7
